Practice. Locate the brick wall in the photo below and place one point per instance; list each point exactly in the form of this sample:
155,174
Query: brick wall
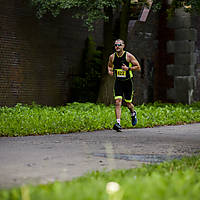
38,58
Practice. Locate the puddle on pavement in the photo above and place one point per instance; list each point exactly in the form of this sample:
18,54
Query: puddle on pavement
147,158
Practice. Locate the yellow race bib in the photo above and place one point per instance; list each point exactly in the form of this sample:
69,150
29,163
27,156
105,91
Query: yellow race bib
121,73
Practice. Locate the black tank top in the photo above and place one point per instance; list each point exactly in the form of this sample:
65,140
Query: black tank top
118,62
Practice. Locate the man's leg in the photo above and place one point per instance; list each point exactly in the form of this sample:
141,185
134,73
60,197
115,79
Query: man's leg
133,113
128,99
118,103
130,106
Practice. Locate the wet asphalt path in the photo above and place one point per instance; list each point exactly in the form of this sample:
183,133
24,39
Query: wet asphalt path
42,159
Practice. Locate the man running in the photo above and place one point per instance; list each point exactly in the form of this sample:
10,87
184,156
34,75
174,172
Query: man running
120,65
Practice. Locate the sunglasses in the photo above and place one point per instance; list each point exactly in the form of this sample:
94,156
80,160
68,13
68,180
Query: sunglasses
118,45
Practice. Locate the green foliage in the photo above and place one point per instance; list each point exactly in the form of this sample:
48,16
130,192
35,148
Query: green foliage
88,10
189,5
178,179
74,117
91,11
156,114
157,5
85,86
192,6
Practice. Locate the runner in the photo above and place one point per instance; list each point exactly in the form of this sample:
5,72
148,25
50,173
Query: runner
120,65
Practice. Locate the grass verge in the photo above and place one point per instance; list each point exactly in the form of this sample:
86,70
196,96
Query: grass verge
23,120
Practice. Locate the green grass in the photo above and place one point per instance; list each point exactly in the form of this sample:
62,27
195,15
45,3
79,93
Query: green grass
23,120
175,180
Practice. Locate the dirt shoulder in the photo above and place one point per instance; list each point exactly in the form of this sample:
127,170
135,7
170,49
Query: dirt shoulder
42,159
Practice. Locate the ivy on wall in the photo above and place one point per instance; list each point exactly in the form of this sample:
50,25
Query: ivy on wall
86,86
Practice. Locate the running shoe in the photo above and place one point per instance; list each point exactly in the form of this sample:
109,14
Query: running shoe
134,118
117,127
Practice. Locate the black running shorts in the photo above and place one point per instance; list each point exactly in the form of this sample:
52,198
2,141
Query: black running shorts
123,88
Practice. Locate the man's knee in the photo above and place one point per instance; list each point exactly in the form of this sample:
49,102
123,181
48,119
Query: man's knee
118,102
129,104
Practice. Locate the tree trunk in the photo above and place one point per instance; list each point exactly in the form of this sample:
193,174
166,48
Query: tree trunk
106,88
124,19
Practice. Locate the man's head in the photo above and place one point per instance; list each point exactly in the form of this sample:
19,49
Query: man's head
119,45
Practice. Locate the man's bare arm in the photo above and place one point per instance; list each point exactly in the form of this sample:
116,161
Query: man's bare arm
135,63
110,65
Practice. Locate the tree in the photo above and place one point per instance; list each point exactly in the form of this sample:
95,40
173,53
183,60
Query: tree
88,10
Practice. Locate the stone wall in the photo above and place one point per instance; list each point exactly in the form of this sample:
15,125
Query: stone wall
169,54
185,50
143,44
39,58
196,24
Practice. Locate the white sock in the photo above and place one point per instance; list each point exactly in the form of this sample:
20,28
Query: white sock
118,121
132,114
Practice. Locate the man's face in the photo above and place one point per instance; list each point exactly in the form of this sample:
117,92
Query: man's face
119,46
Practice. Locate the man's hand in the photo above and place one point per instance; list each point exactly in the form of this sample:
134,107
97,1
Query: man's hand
110,72
124,67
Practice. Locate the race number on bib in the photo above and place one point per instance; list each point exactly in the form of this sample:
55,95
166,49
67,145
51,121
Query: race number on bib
121,73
